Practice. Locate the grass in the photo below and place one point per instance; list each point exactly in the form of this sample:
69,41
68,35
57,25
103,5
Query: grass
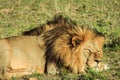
104,15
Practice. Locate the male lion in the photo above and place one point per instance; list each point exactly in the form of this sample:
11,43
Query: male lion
73,47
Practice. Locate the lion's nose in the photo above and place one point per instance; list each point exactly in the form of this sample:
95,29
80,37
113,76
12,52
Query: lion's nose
97,61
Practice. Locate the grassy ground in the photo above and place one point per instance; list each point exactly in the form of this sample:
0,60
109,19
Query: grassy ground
104,15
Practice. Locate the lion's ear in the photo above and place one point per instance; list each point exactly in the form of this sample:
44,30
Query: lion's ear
75,41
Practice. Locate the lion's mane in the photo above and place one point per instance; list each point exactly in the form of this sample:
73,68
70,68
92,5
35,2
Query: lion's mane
57,21
65,44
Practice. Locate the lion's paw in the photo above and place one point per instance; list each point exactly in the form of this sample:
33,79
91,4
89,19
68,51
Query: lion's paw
101,67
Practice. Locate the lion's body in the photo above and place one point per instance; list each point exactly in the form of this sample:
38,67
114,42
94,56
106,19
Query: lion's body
73,47
22,52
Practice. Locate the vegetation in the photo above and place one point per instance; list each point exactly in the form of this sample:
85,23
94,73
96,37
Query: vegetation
104,15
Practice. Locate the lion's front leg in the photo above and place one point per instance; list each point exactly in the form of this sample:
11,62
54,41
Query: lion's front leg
80,67
77,65
9,72
51,68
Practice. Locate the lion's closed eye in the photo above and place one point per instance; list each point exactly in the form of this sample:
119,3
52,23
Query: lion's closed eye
88,50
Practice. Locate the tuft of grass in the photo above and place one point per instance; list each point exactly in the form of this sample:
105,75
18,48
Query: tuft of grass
93,75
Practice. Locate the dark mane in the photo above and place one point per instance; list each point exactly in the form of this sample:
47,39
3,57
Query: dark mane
58,21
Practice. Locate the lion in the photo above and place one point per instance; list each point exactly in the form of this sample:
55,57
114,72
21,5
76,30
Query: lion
75,48
79,48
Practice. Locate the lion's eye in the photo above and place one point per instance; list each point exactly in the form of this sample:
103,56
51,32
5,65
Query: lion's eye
77,41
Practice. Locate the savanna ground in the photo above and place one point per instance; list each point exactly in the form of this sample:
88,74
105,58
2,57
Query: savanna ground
17,16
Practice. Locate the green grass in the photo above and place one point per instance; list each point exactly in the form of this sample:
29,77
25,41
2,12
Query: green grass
104,15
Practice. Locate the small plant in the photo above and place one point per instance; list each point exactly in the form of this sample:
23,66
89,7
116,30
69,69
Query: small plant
92,75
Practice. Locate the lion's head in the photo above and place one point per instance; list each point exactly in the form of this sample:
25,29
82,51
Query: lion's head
75,47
